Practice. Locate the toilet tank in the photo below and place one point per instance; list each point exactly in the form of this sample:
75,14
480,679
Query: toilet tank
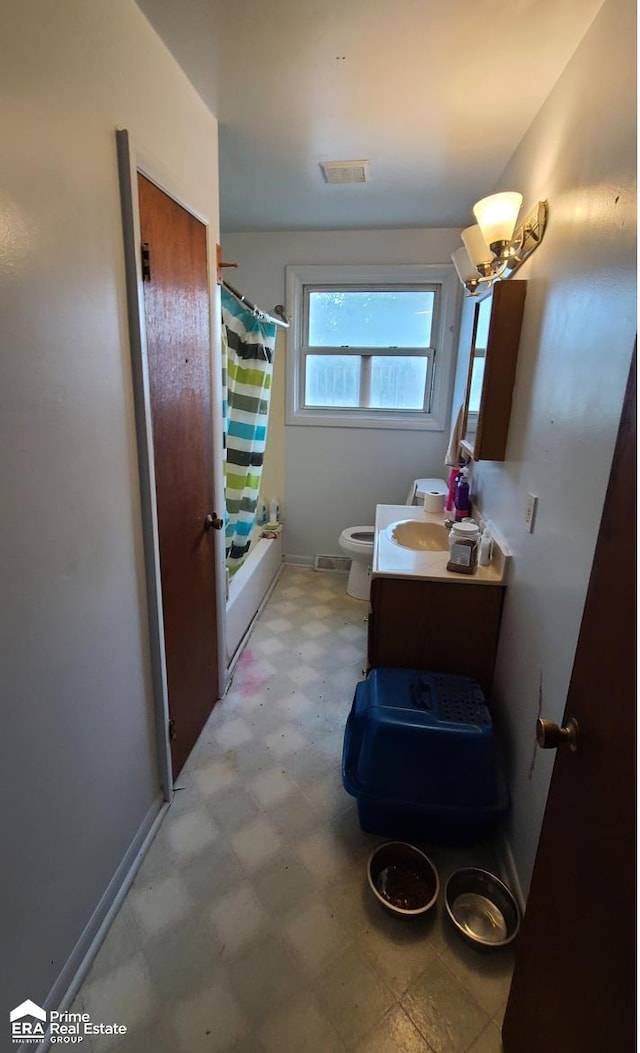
420,487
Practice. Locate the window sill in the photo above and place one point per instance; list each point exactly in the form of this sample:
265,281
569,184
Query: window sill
347,419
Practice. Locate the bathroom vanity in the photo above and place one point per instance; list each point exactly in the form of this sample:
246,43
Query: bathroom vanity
423,616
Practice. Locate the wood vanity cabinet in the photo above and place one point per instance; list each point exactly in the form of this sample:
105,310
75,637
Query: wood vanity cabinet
443,627
492,371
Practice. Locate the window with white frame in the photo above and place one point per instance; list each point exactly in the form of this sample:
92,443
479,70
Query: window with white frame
370,346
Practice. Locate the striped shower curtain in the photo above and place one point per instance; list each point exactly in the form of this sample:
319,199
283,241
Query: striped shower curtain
248,344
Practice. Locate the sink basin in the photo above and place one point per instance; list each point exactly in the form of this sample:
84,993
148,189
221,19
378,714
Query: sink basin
421,537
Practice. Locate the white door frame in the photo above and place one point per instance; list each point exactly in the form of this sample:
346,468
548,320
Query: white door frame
132,161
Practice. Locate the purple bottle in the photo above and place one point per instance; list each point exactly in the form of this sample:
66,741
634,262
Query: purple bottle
462,501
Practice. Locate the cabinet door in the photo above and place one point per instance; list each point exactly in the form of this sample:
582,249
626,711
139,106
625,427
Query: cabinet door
440,626
492,371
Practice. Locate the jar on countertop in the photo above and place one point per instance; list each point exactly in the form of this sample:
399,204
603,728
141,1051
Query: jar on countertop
463,547
467,529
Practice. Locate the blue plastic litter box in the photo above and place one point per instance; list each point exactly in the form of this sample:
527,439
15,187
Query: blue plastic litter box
420,757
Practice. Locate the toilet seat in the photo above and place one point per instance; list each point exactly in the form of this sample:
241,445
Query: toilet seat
361,537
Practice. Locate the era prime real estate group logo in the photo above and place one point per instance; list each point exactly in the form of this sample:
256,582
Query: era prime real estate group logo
31,1023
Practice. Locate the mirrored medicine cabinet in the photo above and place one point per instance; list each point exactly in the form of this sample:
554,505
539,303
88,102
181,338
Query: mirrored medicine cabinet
493,357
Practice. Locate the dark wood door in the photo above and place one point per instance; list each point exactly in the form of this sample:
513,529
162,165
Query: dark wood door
177,313
573,987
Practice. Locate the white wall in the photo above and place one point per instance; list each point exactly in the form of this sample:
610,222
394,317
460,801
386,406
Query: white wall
334,477
78,758
577,341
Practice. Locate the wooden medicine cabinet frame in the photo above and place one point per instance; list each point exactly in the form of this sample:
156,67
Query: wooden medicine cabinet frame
484,431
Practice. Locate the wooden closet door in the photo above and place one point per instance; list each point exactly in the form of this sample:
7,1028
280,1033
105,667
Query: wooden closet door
177,321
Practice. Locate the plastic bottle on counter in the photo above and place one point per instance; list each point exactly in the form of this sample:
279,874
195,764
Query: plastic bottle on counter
274,510
485,548
462,500
453,478
261,511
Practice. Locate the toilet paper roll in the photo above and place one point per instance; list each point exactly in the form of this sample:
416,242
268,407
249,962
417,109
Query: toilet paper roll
434,501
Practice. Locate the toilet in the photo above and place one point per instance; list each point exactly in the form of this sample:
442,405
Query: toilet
357,543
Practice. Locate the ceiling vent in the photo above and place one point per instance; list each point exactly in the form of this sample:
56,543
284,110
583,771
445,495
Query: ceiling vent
345,171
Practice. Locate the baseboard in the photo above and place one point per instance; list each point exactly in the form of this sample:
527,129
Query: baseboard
298,561
82,956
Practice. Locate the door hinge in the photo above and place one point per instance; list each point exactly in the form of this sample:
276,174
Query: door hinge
172,730
146,261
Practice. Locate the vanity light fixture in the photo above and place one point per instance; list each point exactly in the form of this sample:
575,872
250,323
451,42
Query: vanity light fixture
494,247
496,216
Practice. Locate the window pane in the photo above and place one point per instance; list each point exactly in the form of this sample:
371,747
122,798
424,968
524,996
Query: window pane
397,383
477,376
332,380
370,318
482,326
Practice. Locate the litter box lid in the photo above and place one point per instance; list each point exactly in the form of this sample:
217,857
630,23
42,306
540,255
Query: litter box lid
422,738
438,700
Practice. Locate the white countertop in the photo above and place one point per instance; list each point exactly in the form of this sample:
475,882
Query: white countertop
394,561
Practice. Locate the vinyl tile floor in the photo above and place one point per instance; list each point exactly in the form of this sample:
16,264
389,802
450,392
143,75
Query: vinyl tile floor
250,927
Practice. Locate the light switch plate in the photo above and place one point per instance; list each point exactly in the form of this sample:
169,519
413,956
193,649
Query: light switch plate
530,511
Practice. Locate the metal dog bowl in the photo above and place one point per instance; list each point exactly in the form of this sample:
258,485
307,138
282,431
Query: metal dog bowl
482,908
403,879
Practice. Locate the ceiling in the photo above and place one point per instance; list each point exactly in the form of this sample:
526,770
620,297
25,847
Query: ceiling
435,95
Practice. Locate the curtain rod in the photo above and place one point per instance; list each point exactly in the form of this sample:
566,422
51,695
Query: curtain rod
281,320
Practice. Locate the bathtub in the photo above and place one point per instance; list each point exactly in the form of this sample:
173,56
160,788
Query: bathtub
249,588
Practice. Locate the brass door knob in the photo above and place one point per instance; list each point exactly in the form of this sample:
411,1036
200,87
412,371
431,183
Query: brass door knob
213,522
549,735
